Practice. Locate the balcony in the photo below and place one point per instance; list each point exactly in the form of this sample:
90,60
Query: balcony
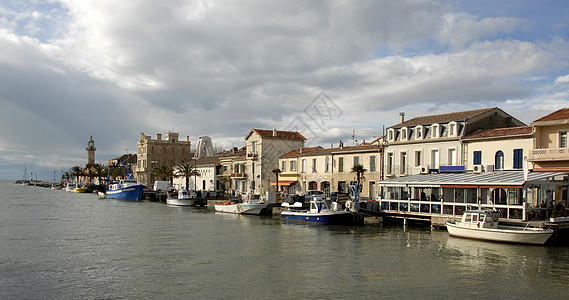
238,175
548,154
252,155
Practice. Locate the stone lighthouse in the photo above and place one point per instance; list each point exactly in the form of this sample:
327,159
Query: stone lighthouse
91,151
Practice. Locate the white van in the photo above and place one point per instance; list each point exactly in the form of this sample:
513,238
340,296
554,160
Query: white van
161,186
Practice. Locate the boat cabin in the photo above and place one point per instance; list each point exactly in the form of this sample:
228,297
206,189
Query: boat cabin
480,219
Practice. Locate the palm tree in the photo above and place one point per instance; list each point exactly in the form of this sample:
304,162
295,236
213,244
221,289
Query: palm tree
186,170
117,172
277,171
359,170
164,172
76,171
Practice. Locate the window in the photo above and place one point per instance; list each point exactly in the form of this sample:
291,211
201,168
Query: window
562,139
451,157
435,159
418,161
390,135
477,157
389,163
253,148
372,163
253,168
303,165
499,161
327,164
283,166
403,162
356,160
435,131
341,164
314,165
404,134
518,158
452,129
419,132
293,165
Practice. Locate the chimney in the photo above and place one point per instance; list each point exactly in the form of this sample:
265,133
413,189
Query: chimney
234,150
341,145
301,150
158,136
187,138
401,117
274,133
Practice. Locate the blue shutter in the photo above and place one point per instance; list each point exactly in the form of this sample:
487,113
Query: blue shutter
477,157
518,158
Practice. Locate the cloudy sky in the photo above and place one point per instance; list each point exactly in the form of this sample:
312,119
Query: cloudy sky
111,69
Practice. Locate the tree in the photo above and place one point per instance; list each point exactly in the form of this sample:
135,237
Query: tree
164,172
277,171
359,170
225,182
76,171
186,170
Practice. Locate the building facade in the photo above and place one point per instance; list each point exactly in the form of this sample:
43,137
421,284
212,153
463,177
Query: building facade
497,149
425,143
152,153
551,145
263,149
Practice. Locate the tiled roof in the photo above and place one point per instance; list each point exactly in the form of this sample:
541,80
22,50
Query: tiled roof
295,153
285,135
501,133
444,118
562,114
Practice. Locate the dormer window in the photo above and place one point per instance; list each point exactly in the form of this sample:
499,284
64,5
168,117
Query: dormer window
436,130
390,135
452,129
419,132
404,134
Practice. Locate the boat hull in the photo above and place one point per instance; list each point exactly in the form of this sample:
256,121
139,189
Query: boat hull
507,235
80,190
327,218
128,193
181,202
241,208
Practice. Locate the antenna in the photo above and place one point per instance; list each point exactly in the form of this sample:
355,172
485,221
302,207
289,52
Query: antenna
354,141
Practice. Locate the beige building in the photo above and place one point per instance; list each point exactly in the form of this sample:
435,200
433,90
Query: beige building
330,170
426,143
153,153
263,149
551,146
497,149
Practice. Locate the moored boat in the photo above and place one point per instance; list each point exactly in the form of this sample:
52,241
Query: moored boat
80,189
183,198
320,211
126,189
483,225
251,205
69,186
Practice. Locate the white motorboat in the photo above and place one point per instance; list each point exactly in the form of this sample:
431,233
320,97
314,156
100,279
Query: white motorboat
251,205
183,198
320,211
70,186
483,225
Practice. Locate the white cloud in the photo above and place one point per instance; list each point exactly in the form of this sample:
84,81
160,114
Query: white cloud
562,79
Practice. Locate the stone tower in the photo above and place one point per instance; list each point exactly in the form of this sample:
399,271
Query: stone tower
91,151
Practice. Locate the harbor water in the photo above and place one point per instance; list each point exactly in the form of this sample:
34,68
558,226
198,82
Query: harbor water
60,245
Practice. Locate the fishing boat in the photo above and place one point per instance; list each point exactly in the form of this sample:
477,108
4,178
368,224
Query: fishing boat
483,225
127,189
251,205
320,211
183,198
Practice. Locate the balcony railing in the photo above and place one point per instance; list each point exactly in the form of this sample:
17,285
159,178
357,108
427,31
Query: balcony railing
238,175
549,154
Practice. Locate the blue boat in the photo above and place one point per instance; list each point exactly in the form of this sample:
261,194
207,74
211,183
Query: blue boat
125,189
320,211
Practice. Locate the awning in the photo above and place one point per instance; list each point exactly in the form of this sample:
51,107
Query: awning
502,179
284,182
